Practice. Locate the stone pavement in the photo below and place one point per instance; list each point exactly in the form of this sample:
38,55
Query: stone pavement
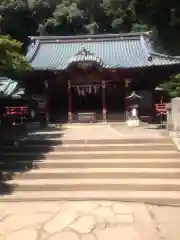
143,131
91,220
76,221
107,131
80,220
166,220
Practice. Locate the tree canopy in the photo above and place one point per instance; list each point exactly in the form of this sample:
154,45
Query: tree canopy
21,18
172,86
12,62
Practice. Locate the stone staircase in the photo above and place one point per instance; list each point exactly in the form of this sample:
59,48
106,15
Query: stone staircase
142,170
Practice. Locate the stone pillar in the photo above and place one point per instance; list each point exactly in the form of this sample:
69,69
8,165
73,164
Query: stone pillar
104,110
69,102
126,82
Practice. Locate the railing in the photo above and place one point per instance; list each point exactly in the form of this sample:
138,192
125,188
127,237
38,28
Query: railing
161,108
21,111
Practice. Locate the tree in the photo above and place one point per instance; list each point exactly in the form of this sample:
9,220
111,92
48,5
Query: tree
164,18
17,19
13,63
96,16
172,86
120,14
67,19
23,18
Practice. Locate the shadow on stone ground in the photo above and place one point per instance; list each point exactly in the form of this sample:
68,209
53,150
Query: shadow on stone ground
162,128
145,129
14,139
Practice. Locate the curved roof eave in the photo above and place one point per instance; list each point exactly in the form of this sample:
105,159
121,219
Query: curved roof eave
145,54
32,50
150,52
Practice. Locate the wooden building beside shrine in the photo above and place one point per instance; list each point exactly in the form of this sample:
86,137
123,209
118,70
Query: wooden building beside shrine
95,73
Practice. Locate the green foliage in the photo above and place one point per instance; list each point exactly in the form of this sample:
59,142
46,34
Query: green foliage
65,17
22,18
12,62
172,87
164,17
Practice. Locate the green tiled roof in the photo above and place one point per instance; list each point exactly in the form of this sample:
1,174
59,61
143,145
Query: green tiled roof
18,93
109,51
9,87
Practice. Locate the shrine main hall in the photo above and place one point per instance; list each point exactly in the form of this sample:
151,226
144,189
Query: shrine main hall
94,74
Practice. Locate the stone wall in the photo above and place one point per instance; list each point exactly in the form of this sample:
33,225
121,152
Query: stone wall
173,118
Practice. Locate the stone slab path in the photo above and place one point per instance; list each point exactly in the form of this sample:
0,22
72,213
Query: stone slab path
92,131
104,131
143,131
75,220
91,220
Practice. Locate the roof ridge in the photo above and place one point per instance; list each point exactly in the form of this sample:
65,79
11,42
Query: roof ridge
153,53
165,55
142,41
89,36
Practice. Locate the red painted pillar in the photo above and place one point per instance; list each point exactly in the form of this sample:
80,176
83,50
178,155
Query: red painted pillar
69,102
104,109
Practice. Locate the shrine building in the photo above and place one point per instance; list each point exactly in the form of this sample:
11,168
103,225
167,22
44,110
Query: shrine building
93,74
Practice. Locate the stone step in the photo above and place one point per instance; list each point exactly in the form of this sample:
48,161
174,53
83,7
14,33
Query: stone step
145,170
174,154
96,184
149,197
54,141
98,173
97,147
92,163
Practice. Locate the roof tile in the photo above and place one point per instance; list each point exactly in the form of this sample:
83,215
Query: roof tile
113,51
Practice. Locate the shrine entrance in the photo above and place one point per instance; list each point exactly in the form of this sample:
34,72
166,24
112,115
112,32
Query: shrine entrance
86,102
92,94
86,87
94,99
86,97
